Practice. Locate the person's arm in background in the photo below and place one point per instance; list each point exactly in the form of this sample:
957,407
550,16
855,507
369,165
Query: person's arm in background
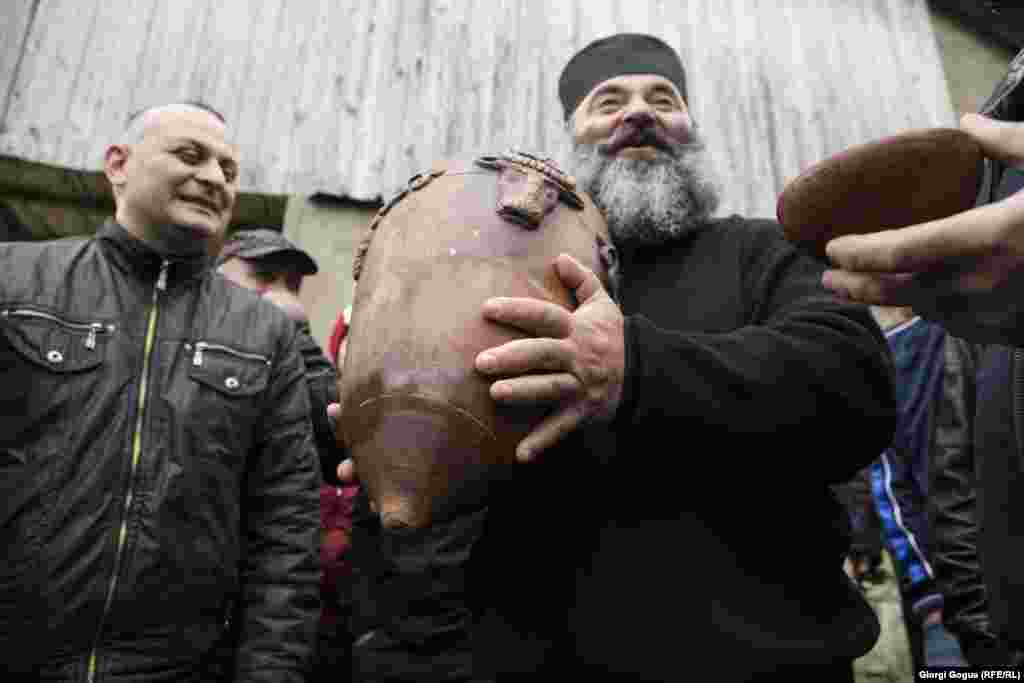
901,506
280,523
900,509
953,511
322,378
899,478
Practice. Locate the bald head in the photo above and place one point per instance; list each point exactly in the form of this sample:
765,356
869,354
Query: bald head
142,122
174,176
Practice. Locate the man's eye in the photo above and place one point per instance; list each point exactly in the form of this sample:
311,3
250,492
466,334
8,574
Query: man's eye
606,106
189,156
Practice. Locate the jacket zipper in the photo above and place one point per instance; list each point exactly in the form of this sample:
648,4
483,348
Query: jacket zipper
92,328
202,346
122,534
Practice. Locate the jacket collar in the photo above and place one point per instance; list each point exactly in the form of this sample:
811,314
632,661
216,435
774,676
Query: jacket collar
133,255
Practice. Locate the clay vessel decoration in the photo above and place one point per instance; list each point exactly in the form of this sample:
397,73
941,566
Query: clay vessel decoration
902,180
418,419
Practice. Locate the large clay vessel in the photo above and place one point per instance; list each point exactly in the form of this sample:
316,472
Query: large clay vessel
419,421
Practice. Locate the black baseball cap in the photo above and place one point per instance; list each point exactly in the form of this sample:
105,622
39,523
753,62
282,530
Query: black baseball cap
255,244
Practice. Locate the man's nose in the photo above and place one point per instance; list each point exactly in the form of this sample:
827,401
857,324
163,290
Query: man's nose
212,173
639,116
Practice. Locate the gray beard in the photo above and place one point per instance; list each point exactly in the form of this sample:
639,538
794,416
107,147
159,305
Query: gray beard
649,202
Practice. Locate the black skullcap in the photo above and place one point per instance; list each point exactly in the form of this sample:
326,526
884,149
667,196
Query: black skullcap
253,245
618,55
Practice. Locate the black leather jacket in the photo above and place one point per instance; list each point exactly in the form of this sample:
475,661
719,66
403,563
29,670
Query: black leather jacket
158,479
977,469
953,506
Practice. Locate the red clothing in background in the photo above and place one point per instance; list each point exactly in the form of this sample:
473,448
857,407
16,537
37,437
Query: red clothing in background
335,534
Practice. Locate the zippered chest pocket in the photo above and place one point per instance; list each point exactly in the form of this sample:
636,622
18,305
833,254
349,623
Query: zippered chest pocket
227,370
50,376
55,342
224,404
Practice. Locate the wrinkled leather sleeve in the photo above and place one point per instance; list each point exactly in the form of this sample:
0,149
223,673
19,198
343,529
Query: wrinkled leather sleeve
281,522
322,379
953,509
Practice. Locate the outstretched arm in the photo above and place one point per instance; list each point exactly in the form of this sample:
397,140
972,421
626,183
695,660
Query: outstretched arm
965,271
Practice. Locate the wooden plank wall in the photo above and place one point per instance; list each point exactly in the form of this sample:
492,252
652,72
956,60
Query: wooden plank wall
351,97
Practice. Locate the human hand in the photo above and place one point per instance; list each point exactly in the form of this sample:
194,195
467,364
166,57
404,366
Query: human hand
940,647
963,271
333,413
347,471
573,361
347,467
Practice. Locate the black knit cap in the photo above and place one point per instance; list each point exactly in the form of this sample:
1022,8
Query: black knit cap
618,55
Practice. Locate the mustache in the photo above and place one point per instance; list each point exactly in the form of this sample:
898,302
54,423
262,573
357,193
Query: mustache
641,135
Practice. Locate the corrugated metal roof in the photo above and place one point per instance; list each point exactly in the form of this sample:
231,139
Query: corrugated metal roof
351,97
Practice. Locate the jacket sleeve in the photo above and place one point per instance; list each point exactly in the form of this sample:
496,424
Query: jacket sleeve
280,566
807,365
901,508
953,509
322,379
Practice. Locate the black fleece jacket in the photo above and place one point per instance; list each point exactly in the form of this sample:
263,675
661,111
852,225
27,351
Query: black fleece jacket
703,513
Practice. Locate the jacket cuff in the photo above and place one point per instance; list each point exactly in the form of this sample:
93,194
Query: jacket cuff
926,604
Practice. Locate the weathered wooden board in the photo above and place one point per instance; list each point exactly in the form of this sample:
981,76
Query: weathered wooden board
351,97
16,18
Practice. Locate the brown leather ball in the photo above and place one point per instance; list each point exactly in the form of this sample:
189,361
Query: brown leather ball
902,180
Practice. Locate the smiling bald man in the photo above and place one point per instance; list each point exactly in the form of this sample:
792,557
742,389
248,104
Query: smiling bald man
159,490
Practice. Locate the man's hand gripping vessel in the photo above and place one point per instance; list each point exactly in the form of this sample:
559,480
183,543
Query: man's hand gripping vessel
418,419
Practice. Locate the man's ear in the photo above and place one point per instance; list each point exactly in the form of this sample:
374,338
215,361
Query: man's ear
114,161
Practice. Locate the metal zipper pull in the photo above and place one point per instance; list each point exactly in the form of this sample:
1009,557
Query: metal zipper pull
161,281
197,360
90,341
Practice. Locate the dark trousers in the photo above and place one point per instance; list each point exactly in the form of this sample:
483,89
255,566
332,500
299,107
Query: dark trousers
332,661
411,618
